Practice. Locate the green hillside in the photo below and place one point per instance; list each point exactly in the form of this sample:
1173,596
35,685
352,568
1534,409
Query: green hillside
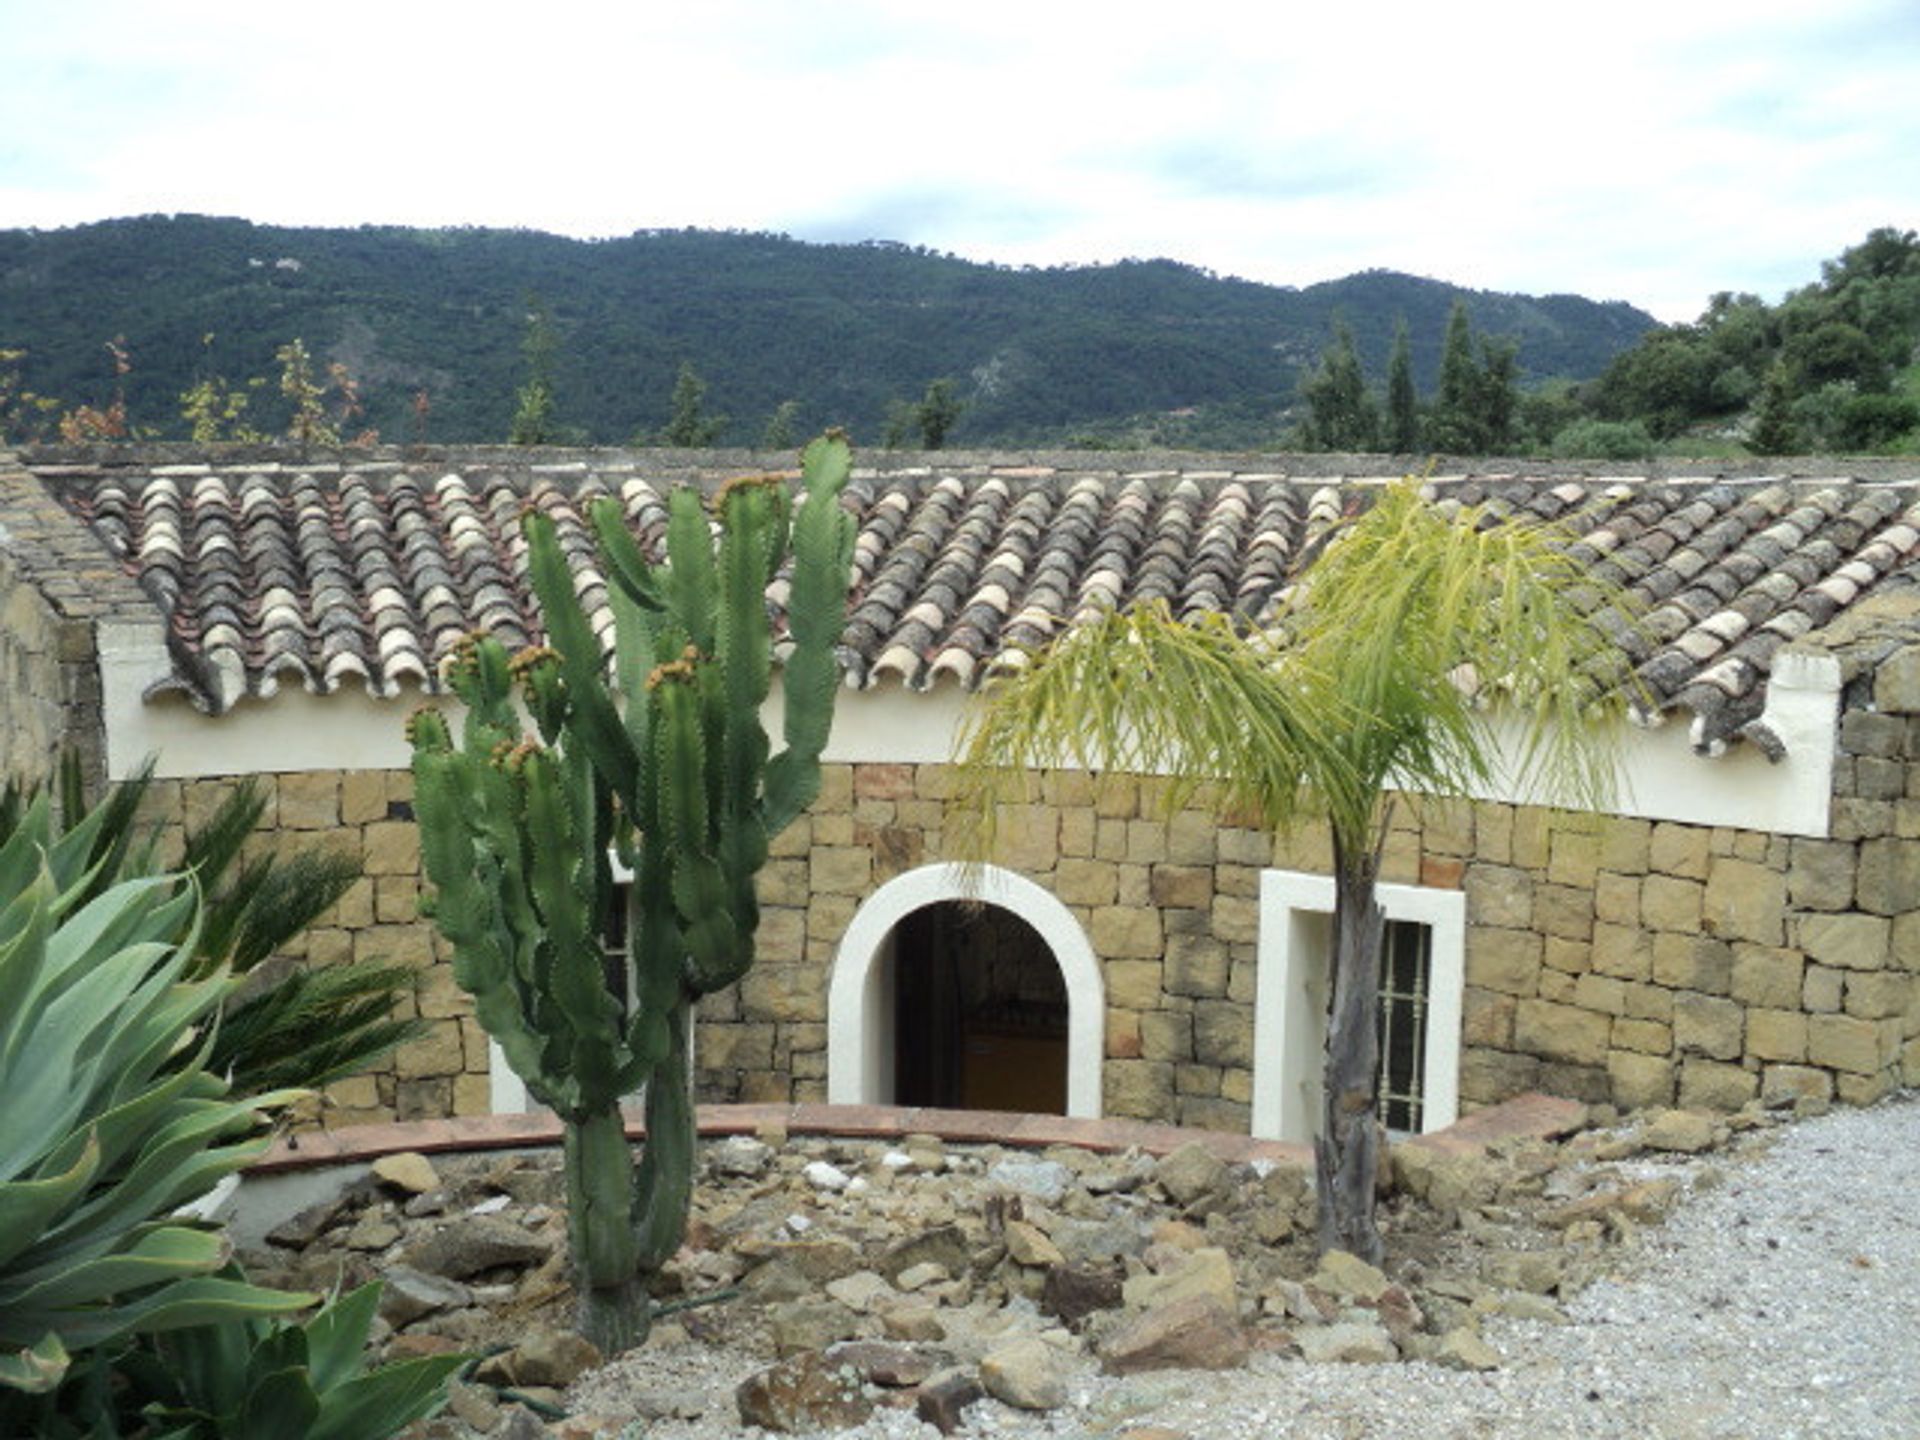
845,331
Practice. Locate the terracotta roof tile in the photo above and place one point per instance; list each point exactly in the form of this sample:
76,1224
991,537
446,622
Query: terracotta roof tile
336,572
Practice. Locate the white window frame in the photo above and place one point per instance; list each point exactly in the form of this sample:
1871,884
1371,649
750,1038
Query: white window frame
1291,985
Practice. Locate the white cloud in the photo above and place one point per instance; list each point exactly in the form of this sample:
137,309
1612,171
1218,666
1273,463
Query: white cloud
1651,152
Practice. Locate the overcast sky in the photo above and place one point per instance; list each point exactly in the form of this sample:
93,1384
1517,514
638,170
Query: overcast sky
1650,152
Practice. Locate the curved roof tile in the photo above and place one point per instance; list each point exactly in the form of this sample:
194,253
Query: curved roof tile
371,571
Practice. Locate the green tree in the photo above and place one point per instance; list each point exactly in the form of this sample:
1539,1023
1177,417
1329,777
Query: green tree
937,413
24,416
307,423
1402,432
1357,688
1773,427
1450,425
779,432
533,415
1340,413
689,427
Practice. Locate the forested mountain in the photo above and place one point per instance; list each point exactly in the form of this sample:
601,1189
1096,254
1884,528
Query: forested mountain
846,332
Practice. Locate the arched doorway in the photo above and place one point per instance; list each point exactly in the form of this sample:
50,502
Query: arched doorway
979,1011
935,1001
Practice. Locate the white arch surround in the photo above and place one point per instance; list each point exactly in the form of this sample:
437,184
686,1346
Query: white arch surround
859,993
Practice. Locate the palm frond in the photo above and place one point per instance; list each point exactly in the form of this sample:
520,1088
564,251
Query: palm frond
313,1027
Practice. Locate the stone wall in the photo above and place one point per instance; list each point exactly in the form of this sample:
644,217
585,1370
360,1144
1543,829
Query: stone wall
54,584
1607,959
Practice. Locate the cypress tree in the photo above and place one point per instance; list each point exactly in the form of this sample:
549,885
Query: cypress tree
1340,412
1403,404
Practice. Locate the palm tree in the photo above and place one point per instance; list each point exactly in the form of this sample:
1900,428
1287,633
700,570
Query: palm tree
1379,674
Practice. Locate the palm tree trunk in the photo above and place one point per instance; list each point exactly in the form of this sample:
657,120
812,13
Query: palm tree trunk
1347,1149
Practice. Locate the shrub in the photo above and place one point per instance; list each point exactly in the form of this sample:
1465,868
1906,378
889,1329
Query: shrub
1603,440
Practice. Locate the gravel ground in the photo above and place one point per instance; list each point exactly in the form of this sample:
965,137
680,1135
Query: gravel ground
1777,1303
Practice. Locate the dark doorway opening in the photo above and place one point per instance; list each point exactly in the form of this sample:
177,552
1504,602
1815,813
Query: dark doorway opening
980,1012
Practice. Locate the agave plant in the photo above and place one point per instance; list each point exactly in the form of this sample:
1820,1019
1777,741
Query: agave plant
110,1127
302,1028
248,1378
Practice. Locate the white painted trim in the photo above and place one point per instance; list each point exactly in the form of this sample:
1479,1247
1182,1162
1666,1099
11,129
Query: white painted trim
1291,993
859,1009
1660,775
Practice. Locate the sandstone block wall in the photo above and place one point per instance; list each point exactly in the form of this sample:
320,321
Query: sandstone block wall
54,584
1608,959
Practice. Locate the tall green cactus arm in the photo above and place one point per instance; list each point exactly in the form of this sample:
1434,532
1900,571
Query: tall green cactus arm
823,536
692,583
577,987
628,572
581,661
464,903
699,886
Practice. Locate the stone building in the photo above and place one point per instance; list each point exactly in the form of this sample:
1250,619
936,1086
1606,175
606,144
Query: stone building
1745,924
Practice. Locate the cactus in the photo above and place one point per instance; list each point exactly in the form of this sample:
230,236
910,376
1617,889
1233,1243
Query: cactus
667,764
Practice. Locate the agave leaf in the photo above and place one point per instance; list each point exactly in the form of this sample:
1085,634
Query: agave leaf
386,1400
201,1300
337,1336
26,1206
162,1254
35,1368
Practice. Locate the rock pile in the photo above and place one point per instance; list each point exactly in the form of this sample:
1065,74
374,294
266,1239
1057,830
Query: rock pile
825,1279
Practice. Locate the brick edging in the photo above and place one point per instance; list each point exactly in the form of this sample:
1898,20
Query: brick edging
1537,1115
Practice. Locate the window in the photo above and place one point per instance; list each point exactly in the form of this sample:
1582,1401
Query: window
1423,974
1406,974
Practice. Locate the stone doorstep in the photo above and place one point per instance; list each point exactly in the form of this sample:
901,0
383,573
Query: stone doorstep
1533,1115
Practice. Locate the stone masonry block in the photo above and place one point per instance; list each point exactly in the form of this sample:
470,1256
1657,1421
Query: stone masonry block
1745,900
1625,844
1896,682
1188,886
391,847
1708,1025
1667,903
1192,838
1820,874
1196,965
1573,855
309,800
1715,1085
1486,1018
1134,984
1889,876
1777,1035
1563,910
1166,1035
1645,1037
1848,942
1122,932
1766,975
1616,898
1784,1084
1877,994
1499,895
1693,962
840,870
1236,918
1679,850
1821,989
1845,1042
1640,1082
1622,950
1086,882
1507,961
1223,1033
1561,1032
